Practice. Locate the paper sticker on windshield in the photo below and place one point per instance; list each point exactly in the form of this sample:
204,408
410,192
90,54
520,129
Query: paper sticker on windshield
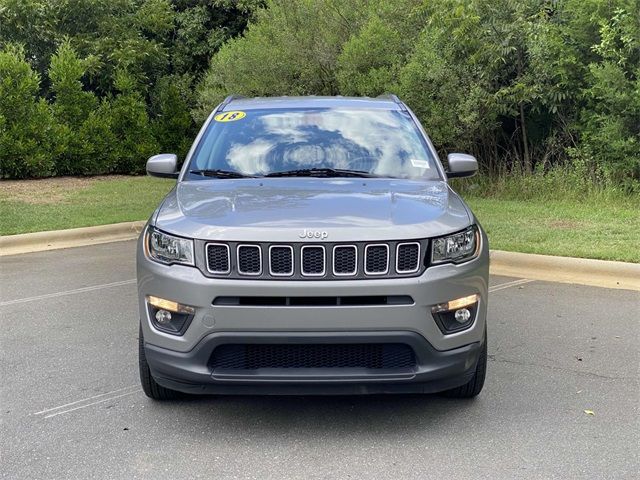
229,116
419,163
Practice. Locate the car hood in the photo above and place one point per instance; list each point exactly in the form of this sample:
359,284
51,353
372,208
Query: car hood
281,209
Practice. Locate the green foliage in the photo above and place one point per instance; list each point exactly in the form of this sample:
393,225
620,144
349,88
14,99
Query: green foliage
131,126
26,123
525,85
528,86
291,49
609,126
94,86
371,58
170,102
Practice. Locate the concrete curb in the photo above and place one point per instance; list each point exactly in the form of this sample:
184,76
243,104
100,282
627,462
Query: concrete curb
598,273
73,237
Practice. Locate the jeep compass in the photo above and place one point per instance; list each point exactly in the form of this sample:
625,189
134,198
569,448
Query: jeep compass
312,245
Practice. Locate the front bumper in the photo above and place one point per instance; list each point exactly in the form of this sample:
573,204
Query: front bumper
442,361
434,371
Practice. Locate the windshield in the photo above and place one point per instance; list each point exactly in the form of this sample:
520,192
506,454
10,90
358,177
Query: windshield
383,143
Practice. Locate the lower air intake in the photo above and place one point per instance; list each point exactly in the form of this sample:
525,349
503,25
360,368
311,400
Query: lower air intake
359,355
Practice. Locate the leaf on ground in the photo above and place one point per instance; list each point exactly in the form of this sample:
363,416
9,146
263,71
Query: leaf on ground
590,413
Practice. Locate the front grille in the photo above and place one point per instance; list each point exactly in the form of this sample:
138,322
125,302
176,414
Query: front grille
312,260
281,260
249,260
376,259
408,257
358,355
218,258
345,260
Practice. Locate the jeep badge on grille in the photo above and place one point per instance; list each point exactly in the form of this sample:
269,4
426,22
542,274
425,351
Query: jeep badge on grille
321,234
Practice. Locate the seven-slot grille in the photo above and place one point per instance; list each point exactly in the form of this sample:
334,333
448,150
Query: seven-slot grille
325,260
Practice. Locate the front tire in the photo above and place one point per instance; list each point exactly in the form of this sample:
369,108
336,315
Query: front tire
474,386
150,387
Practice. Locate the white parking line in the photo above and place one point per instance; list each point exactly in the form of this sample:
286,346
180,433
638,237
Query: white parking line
67,292
514,283
87,399
93,403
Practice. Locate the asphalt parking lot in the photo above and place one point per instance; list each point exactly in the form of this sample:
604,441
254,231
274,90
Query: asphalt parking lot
72,407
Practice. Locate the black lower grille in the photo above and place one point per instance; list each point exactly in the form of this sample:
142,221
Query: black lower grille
358,355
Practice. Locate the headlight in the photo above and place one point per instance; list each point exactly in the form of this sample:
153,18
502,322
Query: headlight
166,248
456,248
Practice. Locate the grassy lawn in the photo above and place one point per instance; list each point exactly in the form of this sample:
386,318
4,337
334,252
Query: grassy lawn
69,202
588,227
559,227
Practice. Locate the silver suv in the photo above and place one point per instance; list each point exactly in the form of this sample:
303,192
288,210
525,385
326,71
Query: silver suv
312,245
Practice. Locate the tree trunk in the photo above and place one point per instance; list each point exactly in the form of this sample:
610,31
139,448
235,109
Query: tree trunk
525,142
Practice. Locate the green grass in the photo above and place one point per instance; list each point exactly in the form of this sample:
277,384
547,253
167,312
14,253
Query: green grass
532,217
587,229
97,202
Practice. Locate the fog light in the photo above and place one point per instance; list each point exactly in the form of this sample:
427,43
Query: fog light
456,315
169,316
457,303
463,315
163,317
169,305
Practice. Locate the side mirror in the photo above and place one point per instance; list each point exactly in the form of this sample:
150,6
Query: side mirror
164,165
461,165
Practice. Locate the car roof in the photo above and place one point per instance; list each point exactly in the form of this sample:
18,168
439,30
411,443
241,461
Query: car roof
387,102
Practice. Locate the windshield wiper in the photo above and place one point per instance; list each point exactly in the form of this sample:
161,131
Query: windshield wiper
220,173
321,172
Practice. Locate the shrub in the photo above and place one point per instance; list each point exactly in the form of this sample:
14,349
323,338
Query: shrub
131,127
27,134
172,125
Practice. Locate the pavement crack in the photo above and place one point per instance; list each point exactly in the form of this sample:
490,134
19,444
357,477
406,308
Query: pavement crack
556,368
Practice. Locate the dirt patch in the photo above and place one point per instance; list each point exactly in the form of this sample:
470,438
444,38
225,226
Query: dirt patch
565,224
44,191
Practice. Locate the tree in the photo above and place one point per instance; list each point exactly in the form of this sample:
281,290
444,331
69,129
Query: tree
27,133
291,48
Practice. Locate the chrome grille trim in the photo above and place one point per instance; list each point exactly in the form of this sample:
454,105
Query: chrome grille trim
333,261
324,261
366,252
218,272
288,274
398,257
244,245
